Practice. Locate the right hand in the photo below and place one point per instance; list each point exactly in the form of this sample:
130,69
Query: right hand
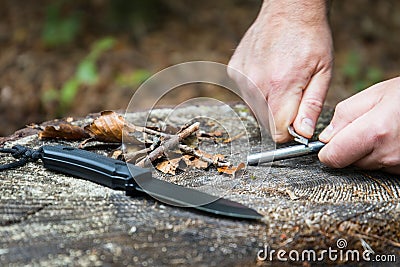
288,54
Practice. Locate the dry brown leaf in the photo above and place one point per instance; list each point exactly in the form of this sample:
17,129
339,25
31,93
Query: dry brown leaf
63,131
202,153
231,170
200,164
218,158
109,128
211,134
169,166
215,159
194,162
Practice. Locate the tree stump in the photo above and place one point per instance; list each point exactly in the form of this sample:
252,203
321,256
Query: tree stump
51,219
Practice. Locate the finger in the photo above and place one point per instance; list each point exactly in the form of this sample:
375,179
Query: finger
352,143
282,96
311,104
284,106
349,110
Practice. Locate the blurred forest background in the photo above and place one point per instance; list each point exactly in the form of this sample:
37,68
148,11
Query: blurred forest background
72,57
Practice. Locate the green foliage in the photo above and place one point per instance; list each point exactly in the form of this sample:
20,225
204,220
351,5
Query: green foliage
359,76
133,79
100,46
67,94
58,29
87,71
86,74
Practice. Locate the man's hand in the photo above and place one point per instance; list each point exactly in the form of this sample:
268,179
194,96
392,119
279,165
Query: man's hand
288,54
365,130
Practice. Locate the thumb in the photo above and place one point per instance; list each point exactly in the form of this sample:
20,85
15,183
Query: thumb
311,104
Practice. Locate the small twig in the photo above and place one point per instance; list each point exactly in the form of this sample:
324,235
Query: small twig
171,142
198,154
188,131
231,139
185,126
135,155
151,131
84,142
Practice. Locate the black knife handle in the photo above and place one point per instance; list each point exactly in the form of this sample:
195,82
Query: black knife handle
90,166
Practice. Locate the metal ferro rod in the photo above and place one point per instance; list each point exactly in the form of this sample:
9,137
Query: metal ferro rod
284,153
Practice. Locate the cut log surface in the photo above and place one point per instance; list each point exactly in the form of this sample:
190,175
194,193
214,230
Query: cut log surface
50,219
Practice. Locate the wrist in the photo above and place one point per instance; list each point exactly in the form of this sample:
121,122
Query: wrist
307,12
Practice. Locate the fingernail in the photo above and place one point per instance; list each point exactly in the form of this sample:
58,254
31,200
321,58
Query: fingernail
307,127
326,134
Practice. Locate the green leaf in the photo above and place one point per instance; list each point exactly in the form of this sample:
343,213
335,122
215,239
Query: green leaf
100,47
87,69
134,78
68,93
87,72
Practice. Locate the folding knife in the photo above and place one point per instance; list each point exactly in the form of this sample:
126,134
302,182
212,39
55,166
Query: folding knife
120,175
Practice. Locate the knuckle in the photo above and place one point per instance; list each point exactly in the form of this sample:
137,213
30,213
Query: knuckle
379,134
232,69
313,104
341,109
231,72
276,82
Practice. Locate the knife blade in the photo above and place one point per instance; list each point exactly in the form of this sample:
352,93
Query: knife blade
120,175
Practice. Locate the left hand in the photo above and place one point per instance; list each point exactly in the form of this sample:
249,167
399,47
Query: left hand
365,130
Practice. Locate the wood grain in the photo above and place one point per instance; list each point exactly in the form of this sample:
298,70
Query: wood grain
50,219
